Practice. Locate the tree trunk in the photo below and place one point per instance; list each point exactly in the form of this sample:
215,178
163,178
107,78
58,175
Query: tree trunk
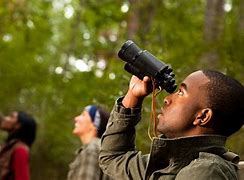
213,20
133,19
213,29
241,17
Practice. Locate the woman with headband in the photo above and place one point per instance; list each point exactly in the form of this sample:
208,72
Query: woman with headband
89,127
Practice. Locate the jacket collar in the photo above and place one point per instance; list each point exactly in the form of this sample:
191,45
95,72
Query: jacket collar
178,152
187,146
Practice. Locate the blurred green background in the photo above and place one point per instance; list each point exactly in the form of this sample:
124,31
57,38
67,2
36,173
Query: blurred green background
58,56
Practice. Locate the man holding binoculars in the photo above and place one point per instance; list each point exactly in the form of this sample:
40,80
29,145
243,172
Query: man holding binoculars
194,121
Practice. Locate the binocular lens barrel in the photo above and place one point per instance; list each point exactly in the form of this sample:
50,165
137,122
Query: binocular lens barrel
142,63
129,51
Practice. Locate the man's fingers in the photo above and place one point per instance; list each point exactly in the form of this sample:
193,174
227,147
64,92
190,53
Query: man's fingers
146,79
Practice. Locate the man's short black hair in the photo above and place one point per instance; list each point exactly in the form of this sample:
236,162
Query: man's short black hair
226,99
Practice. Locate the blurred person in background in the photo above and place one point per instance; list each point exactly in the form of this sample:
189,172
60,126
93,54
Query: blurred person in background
15,152
89,127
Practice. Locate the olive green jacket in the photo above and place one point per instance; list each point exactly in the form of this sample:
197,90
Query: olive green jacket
186,158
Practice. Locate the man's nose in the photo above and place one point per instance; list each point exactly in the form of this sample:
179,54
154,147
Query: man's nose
167,100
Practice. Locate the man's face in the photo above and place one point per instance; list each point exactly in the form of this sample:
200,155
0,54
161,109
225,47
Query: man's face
180,108
83,123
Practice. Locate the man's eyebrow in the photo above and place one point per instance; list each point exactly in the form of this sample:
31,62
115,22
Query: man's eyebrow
183,85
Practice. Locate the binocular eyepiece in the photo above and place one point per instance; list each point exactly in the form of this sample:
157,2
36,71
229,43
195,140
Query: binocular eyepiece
142,63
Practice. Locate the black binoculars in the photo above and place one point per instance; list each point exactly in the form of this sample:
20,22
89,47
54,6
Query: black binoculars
142,63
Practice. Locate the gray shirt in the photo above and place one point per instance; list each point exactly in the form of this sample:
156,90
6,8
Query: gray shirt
85,165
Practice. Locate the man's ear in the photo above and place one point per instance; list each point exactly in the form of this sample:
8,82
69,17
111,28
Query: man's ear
203,117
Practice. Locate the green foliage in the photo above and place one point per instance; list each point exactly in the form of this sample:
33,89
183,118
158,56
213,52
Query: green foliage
236,143
41,43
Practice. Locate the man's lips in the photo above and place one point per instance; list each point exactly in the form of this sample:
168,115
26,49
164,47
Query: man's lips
159,116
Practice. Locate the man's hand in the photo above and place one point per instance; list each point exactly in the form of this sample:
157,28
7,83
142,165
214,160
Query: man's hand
138,90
